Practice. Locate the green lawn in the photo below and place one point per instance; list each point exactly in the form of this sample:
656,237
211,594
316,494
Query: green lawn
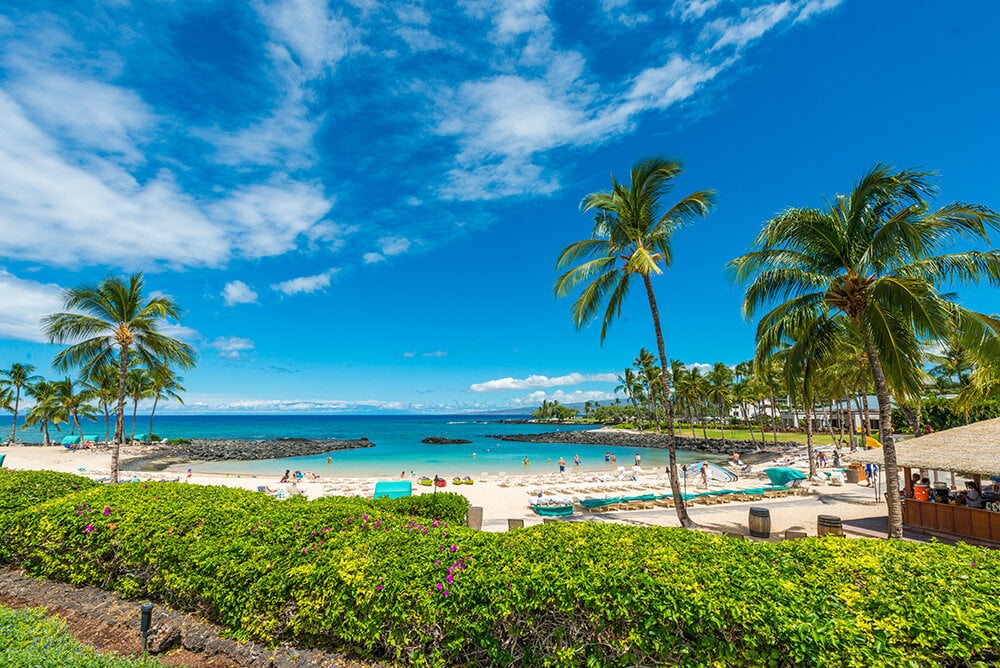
744,434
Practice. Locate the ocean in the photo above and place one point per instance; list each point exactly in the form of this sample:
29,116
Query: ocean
397,444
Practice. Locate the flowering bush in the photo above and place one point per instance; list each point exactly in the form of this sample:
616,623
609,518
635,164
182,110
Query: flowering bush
348,574
22,489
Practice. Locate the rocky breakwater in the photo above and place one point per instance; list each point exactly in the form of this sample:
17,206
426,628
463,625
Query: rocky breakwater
159,456
438,440
619,438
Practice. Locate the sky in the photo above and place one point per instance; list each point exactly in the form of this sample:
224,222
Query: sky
359,204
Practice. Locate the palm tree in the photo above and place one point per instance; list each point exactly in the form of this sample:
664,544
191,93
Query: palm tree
872,255
743,394
138,386
116,322
720,379
104,382
631,238
165,384
629,384
645,364
74,403
18,376
47,409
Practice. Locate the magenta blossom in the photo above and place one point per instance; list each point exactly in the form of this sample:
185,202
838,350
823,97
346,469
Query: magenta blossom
107,511
89,528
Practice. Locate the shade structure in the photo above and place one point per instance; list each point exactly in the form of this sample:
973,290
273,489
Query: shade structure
718,473
71,440
972,449
782,475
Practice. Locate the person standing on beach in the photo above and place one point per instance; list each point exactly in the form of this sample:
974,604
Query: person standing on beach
638,459
329,460
576,460
562,465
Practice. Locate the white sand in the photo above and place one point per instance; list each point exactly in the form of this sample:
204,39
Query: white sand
500,503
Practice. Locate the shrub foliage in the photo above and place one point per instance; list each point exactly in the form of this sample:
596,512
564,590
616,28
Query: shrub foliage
22,489
351,574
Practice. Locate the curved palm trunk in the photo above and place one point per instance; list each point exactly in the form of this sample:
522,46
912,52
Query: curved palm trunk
808,406
107,425
149,436
638,416
864,404
17,401
135,407
119,413
722,425
885,435
45,433
746,418
76,425
774,414
675,483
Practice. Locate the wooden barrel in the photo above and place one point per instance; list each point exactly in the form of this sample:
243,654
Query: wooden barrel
828,525
760,522
515,524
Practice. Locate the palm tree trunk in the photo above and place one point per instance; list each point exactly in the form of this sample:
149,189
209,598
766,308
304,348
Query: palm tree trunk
746,418
774,413
829,422
675,483
135,407
722,425
864,405
76,424
107,425
885,435
149,436
701,419
638,416
119,413
808,406
17,401
45,433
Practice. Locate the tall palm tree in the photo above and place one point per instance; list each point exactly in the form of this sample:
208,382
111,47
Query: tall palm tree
138,386
165,384
116,323
47,409
645,365
18,377
873,255
743,394
720,380
104,382
631,238
75,403
630,385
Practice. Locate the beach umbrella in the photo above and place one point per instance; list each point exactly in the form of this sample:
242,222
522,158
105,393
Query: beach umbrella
718,473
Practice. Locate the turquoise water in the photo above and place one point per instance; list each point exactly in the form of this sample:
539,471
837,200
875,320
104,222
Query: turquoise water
397,444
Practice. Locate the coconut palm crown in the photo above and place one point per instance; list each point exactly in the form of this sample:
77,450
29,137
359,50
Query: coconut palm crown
18,377
631,239
875,256
109,324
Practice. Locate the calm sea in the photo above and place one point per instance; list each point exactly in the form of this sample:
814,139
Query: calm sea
397,444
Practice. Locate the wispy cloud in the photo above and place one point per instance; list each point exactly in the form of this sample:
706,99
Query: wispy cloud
306,284
533,381
231,347
24,304
751,24
536,398
238,292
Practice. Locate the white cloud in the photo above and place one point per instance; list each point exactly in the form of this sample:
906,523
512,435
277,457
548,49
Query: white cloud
688,10
312,32
420,39
575,378
101,214
231,347
436,353
410,353
577,396
238,292
23,304
372,258
177,331
394,245
306,284
752,24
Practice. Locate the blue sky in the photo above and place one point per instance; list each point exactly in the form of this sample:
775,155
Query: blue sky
359,203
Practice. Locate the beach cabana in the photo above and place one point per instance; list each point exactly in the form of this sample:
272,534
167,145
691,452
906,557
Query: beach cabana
393,490
71,441
972,451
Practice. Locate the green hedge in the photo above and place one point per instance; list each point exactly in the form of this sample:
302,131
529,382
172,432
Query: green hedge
22,489
30,637
345,573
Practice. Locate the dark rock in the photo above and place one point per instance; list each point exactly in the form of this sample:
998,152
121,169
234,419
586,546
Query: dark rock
158,457
163,636
437,440
615,438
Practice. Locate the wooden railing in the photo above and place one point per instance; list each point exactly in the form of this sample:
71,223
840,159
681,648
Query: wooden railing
983,525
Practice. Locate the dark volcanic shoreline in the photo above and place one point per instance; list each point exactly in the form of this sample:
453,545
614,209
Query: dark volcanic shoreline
158,457
617,438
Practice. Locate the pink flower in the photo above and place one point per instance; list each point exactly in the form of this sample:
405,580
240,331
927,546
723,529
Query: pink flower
89,528
445,592
439,586
449,578
379,588
107,511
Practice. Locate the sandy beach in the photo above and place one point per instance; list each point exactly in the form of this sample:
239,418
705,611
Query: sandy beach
503,499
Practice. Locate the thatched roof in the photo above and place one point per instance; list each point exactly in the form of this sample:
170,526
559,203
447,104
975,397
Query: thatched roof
974,448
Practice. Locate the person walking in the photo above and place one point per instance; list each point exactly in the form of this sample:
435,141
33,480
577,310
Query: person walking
562,465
